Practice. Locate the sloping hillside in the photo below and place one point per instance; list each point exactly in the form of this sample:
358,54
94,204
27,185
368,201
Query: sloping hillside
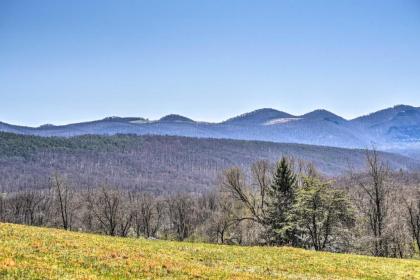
165,163
40,253
398,127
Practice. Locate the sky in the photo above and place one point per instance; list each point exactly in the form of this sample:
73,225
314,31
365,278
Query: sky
71,61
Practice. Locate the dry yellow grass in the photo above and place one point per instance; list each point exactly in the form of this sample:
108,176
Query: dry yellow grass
40,253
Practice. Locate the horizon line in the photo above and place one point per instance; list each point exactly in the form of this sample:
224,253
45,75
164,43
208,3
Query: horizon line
201,121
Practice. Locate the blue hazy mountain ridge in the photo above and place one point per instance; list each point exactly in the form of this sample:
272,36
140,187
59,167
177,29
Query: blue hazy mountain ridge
257,117
175,118
396,128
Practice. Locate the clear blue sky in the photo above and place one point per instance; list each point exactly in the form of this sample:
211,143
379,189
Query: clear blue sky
68,61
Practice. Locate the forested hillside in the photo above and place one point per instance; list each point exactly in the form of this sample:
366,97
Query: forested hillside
155,163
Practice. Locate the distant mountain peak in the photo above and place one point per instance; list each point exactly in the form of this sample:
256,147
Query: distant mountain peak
123,119
260,116
402,107
111,118
384,114
264,111
322,114
175,118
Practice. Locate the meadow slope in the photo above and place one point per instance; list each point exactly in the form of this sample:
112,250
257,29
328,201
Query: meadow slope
41,253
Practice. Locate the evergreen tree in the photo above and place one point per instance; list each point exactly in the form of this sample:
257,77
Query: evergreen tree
281,197
323,214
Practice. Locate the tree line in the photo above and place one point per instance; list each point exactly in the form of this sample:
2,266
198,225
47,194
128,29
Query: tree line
375,212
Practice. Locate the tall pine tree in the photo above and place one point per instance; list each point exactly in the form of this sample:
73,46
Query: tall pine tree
281,197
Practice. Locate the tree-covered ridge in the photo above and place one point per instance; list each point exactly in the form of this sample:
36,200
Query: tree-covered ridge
150,162
25,145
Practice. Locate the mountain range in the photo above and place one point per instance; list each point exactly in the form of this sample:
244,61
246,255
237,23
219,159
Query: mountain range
393,129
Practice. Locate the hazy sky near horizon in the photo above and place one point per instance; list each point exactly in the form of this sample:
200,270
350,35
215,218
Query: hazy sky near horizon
69,61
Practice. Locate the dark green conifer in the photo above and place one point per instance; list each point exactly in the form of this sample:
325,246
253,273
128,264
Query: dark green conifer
280,201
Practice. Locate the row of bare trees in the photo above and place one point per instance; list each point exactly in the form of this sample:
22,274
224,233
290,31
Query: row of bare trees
388,207
374,212
109,211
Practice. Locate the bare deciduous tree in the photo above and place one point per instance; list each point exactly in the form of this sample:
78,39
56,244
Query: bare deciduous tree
413,209
108,208
181,210
2,207
234,184
376,188
64,197
29,207
261,174
148,214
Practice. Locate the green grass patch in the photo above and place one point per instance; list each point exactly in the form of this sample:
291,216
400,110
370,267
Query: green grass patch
41,253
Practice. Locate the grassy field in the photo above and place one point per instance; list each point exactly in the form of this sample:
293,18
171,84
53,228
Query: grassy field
40,253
